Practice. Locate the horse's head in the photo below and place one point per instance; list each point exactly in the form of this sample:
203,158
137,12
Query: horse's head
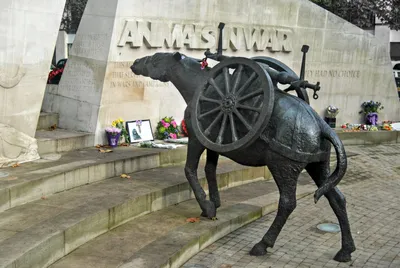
157,66
184,72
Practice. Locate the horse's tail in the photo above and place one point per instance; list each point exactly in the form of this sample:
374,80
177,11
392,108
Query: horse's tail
341,165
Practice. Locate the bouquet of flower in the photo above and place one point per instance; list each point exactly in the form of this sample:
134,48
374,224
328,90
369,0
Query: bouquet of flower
113,131
332,111
167,129
184,129
371,107
119,123
387,126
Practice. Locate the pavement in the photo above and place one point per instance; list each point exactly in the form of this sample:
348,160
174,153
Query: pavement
371,186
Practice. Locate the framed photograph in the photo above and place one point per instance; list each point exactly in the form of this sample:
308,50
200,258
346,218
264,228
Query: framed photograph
139,130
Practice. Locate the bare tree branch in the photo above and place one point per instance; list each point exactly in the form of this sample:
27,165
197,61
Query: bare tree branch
362,12
73,12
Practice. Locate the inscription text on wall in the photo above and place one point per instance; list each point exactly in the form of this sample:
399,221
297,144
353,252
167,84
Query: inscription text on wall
197,36
351,74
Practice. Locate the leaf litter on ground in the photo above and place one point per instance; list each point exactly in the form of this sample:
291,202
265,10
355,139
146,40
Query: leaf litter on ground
193,220
124,176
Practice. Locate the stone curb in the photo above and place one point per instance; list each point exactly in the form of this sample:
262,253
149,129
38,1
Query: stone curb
38,183
369,137
48,241
174,249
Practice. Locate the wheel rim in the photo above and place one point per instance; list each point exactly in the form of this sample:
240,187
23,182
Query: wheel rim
234,106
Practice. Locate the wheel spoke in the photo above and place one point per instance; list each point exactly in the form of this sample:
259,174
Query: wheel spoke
212,82
251,95
227,80
222,130
209,112
233,128
241,118
202,98
210,127
248,82
238,77
241,106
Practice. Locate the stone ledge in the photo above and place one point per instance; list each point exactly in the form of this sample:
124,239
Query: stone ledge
59,140
33,180
77,216
368,137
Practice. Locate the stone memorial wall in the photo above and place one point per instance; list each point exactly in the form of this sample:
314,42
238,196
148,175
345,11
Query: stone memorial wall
98,86
28,34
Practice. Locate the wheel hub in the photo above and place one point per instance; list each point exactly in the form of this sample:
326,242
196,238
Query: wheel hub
228,104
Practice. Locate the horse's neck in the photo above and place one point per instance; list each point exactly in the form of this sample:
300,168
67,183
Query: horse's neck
187,81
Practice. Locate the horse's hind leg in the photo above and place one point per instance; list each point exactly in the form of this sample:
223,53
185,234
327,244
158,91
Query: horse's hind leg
194,151
285,173
211,175
320,172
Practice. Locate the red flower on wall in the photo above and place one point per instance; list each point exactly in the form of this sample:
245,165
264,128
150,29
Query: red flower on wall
54,73
184,128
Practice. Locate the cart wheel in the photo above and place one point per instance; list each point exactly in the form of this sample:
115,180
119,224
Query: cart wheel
234,106
281,67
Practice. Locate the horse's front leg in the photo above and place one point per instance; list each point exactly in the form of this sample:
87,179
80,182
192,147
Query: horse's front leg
211,175
195,149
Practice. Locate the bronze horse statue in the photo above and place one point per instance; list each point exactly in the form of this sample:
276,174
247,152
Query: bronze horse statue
295,138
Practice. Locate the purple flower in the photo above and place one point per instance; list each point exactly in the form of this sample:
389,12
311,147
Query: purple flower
113,130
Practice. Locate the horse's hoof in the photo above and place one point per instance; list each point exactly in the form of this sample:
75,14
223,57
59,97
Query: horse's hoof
259,249
205,216
209,210
343,256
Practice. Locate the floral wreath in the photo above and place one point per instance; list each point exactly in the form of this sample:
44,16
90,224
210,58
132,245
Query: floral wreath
167,129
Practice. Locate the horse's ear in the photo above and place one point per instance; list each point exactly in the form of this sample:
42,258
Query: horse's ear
177,56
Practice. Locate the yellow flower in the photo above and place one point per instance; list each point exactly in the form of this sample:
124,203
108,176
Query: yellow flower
120,120
113,124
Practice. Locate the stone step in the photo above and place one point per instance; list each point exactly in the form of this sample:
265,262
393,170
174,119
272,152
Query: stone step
60,140
39,233
47,120
165,239
61,172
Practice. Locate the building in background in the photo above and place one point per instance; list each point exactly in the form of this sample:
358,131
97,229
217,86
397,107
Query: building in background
63,46
391,37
